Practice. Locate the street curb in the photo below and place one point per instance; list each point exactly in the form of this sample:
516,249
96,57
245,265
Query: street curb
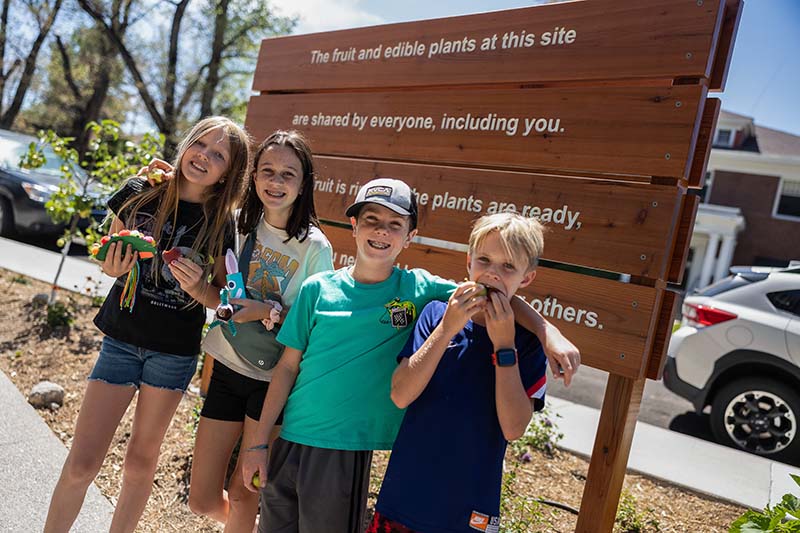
686,461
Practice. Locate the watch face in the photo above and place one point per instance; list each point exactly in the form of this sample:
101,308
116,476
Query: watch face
506,357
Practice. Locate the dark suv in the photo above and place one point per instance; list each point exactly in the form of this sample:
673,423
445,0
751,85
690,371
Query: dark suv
24,192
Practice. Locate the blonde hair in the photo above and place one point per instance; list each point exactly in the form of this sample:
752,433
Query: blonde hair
219,200
521,236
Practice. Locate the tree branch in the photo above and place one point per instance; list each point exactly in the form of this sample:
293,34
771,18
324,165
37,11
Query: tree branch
130,63
172,63
30,66
65,62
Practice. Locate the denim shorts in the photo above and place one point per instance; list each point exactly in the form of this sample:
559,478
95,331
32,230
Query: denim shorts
121,363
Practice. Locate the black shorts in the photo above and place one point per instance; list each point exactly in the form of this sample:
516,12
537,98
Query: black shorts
315,490
231,396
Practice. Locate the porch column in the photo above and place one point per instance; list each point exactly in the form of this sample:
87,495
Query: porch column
708,260
725,257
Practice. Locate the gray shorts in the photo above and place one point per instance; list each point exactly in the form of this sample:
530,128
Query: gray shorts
315,490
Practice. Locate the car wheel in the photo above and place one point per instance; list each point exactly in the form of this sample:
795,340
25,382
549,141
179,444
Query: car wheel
758,415
6,218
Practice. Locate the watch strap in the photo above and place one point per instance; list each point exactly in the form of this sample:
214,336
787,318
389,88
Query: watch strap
500,356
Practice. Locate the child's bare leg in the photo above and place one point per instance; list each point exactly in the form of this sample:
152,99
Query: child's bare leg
154,411
243,503
102,408
212,452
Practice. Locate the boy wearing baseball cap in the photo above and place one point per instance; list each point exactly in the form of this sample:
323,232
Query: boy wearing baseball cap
333,380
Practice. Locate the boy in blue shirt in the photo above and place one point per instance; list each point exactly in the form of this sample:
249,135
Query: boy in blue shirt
471,379
341,337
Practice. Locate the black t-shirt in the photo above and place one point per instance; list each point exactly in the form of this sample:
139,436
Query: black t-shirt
164,318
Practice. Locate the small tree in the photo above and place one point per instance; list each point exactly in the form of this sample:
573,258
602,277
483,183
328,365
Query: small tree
89,179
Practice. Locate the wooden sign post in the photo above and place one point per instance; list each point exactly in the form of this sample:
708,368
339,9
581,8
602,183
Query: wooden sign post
591,116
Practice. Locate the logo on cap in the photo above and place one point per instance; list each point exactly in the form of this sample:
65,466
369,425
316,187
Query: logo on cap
378,190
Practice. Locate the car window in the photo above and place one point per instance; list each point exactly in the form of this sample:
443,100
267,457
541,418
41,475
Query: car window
786,300
11,151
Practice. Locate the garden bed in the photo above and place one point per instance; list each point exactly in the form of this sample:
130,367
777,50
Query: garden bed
32,351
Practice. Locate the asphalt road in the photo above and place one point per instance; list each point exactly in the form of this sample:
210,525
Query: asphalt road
660,407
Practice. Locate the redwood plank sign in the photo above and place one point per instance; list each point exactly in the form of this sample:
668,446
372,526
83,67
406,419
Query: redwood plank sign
609,321
637,130
633,237
593,40
732,15
591,116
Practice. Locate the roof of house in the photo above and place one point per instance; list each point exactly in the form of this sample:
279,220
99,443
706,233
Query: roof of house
766,141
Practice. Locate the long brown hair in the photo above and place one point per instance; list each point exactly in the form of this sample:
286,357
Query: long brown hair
303,212
219,200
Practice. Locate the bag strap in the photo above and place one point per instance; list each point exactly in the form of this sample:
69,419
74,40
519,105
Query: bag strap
244,257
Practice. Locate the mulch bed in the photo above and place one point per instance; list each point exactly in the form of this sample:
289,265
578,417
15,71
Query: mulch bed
31,351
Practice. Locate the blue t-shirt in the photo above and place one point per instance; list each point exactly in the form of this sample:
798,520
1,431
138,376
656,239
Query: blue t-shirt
446,466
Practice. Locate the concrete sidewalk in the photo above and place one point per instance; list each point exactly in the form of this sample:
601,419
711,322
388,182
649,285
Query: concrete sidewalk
687,461
31,456
77,274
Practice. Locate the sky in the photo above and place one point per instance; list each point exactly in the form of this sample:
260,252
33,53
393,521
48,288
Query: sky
763,80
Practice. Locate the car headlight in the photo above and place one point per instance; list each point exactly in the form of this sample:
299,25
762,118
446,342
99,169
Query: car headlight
36,192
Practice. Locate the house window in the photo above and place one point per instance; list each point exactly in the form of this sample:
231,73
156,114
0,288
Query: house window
724,138
789,199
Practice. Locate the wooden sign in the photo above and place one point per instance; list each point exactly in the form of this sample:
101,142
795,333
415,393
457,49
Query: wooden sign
589,115
610,322
593,40
633,237
637,130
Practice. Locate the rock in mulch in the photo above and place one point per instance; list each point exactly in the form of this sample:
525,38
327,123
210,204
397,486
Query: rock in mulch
40,300
46,393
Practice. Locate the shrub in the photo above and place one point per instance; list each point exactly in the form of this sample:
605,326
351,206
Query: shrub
783,518
630,520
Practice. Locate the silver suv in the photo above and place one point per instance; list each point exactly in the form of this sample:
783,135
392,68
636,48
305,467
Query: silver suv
738,351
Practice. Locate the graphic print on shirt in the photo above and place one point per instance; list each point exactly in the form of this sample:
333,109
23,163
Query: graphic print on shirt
270,271
400,314
164,290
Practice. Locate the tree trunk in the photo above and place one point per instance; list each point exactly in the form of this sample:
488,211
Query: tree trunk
93,107
3,35
212,79
167,121
171,111
30,66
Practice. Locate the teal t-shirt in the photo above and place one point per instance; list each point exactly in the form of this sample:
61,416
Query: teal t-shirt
350,334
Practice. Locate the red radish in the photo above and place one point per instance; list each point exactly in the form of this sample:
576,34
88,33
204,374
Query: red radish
171,255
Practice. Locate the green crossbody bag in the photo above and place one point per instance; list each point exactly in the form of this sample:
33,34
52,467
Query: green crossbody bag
253,342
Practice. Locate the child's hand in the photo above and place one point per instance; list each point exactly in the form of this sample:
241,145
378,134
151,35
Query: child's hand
188,274
117,264
254,461
251,310
465,301
156,172
500,320
563,356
